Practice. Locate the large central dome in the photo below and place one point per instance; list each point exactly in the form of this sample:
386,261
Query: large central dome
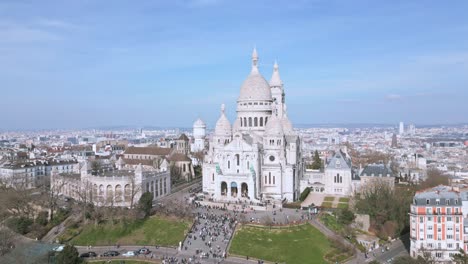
255,87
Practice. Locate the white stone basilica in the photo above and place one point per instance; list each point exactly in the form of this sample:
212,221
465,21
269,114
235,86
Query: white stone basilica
259,156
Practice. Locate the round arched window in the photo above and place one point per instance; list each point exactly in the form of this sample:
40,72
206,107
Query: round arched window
272,158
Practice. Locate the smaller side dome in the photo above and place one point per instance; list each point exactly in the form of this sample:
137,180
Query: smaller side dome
199,123
223,126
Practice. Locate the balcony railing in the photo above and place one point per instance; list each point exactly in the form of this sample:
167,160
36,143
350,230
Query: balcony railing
435,213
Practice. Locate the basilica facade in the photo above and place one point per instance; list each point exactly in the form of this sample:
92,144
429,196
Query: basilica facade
257,157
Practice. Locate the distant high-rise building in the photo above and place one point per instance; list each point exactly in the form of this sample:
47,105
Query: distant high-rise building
394,141
401,131
411,129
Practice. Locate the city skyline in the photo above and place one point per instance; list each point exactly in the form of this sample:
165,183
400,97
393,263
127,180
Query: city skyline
166,64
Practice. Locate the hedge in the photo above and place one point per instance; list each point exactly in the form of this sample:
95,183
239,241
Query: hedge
304,194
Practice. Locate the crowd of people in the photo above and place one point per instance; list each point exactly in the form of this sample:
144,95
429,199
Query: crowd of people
210,234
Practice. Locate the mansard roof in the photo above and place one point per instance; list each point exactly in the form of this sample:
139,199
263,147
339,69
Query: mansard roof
148,151
439,195
377,170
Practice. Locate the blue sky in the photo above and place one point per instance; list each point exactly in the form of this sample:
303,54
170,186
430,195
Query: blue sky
84,63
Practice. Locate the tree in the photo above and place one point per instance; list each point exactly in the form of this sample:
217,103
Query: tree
176,172
317,162
345,216
434,177
135,188
157,163
95,167
69,255
387,208
199,156
146,203
56,184
6,240
85,196
460,258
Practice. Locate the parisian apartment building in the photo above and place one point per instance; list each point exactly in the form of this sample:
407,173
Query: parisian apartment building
439,223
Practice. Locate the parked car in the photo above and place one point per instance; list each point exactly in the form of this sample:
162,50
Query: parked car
110,254
58,248
130,254
88,255
144,251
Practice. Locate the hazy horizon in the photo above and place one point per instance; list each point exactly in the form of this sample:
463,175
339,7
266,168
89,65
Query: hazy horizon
94,64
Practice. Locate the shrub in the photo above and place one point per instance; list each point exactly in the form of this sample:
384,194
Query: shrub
59,216
346,217
304,194
69,255
146,203
295,205
41,218
20,225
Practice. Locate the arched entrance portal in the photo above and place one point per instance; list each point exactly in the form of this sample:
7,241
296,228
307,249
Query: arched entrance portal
233,189
223,188
244,190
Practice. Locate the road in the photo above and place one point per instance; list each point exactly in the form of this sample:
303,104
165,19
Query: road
396,249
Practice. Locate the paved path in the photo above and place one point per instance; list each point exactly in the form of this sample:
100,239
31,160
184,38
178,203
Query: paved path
57,230
313,198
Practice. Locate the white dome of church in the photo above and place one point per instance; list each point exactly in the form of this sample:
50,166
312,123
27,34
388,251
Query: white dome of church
199,123
223,126
255,87
253,160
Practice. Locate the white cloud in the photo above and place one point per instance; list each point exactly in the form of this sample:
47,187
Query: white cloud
55,23
15,33
393,97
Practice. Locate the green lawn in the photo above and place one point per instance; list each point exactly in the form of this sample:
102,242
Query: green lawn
327,204
344,200
301,244
343,205
331,222
153,231
329,199
126,261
